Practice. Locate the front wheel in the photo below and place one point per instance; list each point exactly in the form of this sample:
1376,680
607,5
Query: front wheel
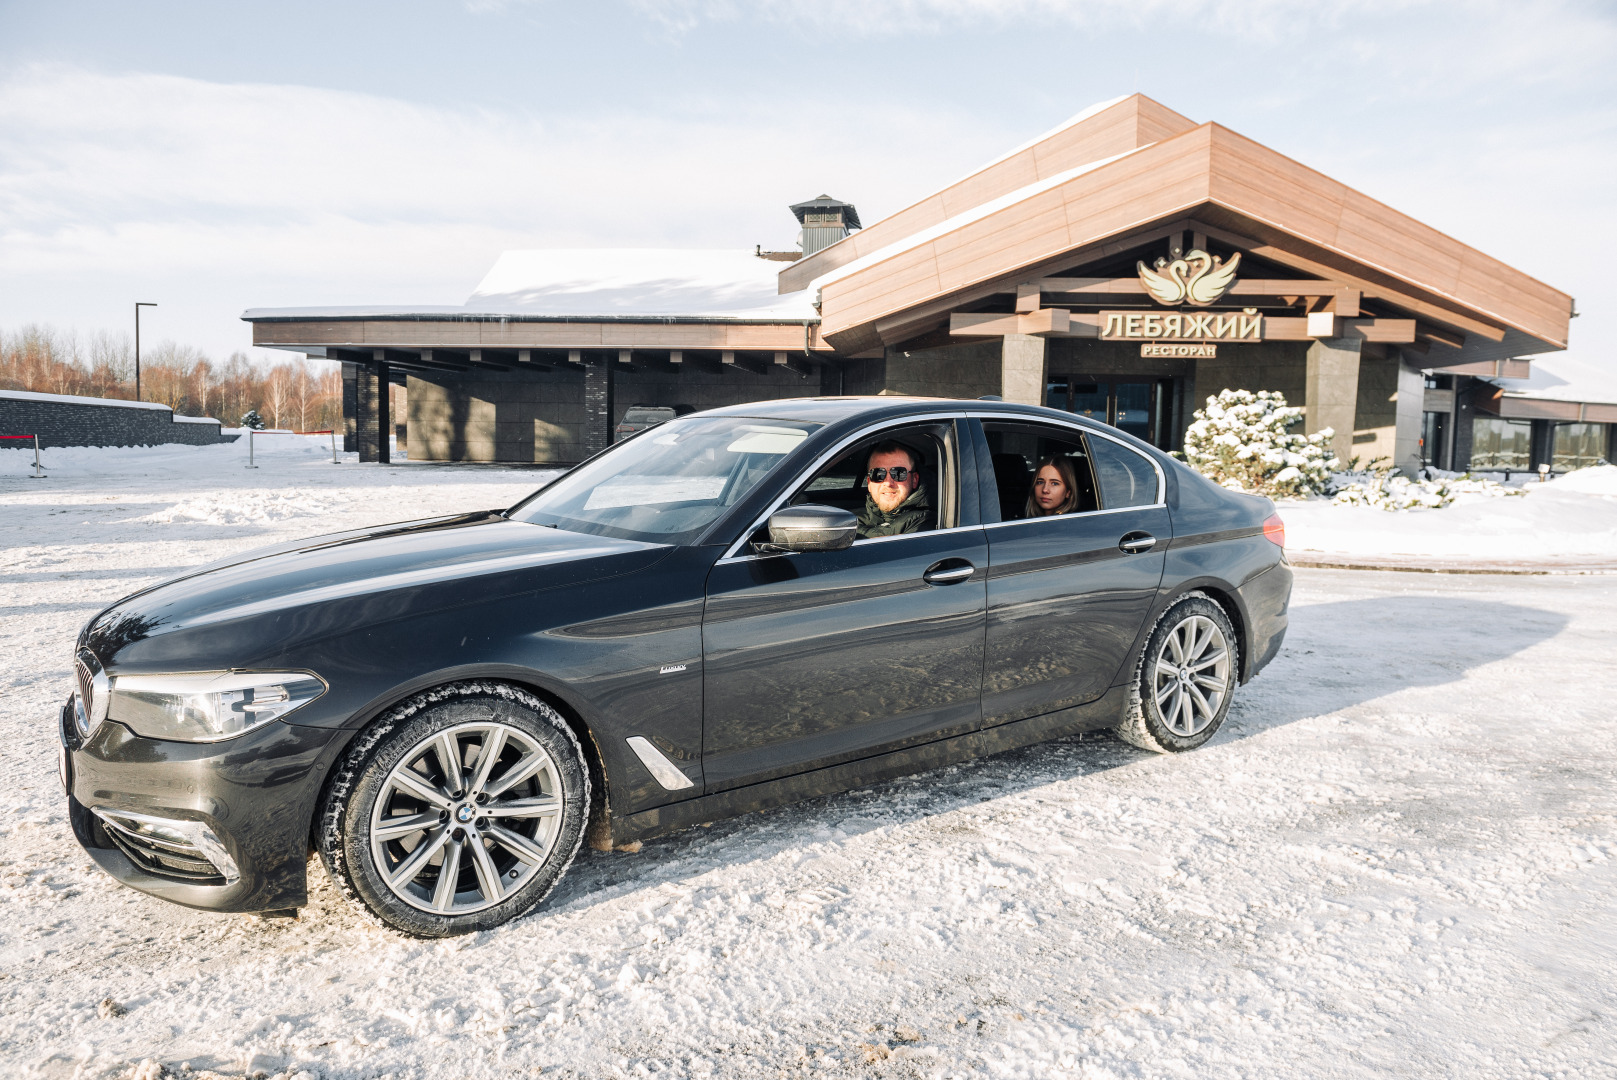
1185,680
458,811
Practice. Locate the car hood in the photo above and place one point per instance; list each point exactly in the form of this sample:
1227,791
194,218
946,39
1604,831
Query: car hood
360,578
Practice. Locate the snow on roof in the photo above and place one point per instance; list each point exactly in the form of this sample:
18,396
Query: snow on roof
1010,198
1559,377
605,283
355,311
1074,119
638,281
72,399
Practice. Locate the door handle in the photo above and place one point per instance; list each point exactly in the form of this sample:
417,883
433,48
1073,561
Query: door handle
1136,542
942,574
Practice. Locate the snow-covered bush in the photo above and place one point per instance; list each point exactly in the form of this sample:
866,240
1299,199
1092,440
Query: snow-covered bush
1383,488
1240,441
251,419
1390,492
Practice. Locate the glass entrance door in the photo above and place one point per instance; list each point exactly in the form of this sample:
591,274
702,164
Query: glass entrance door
1139,408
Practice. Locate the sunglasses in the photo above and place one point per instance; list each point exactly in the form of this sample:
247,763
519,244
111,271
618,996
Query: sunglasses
898,472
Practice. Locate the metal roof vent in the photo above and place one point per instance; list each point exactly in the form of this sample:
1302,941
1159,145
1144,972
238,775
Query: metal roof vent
825,221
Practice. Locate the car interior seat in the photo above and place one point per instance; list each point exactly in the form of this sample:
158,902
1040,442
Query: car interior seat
1011,477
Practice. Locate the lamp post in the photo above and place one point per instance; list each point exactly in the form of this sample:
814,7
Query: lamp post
138,305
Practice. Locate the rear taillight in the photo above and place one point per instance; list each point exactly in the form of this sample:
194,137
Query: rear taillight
1274,529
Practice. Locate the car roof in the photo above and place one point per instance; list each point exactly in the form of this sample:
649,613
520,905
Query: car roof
831,410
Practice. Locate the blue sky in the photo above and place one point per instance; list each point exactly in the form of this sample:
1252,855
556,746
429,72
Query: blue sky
218,156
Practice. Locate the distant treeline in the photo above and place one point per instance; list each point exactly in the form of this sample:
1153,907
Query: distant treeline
292,394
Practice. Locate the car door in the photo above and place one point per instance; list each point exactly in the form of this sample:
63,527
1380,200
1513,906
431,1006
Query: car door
1067,594
815,658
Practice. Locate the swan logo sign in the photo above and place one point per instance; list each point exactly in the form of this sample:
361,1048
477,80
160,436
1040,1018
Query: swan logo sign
1195,278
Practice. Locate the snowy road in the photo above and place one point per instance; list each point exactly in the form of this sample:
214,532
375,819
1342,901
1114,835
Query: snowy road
1397,858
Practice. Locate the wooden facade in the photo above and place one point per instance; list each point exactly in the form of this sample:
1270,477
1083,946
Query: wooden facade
1004,283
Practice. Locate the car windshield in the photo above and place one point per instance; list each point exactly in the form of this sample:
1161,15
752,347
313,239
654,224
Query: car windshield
669,484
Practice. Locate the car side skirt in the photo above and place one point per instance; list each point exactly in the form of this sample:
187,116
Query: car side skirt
1102,713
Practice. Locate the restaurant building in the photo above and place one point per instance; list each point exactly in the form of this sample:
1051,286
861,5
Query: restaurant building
1126,265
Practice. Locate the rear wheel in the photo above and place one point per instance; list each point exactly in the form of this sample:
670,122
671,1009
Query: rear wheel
1185,680
458,811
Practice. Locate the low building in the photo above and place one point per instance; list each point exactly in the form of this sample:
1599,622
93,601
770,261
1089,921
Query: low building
1126,265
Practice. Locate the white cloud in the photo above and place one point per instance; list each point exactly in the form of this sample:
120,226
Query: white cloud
248,195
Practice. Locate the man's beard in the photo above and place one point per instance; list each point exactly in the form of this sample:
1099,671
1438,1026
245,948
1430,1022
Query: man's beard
887,502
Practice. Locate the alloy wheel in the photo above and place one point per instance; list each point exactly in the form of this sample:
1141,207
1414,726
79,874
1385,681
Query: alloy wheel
466,818
1191,675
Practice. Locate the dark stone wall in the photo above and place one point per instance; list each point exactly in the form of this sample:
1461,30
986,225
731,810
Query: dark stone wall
969,370
97,422
563,415
1466,390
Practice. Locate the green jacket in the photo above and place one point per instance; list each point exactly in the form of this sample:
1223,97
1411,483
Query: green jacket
910,516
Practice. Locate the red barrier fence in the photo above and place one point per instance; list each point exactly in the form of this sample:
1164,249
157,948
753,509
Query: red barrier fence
254,431
39,472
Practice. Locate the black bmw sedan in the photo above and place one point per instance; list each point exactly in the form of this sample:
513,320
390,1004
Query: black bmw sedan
726,612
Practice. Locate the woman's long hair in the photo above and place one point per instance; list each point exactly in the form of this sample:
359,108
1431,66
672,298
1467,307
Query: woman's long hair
1069,477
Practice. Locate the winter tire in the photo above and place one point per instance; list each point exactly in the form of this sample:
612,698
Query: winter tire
1185,679
457,811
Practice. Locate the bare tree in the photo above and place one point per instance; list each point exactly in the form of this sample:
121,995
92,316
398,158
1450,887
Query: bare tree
277,392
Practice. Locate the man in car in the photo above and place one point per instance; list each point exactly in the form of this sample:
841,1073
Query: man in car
895,501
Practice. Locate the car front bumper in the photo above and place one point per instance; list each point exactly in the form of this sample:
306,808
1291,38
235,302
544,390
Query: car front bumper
220,826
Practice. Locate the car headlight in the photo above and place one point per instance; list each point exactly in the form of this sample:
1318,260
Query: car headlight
208,706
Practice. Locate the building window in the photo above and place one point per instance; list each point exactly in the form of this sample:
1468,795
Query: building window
1578,446
1501,444
1140,408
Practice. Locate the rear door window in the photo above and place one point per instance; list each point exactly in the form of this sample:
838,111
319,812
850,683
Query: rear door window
1127,477
1016,451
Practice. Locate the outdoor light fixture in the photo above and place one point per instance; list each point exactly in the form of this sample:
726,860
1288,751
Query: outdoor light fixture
138,305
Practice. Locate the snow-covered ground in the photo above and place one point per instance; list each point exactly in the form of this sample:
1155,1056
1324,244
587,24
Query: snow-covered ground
1399,857
1570,516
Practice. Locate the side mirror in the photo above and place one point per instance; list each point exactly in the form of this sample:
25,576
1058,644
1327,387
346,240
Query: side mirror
810,527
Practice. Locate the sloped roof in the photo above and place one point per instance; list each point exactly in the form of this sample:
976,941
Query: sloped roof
1071,200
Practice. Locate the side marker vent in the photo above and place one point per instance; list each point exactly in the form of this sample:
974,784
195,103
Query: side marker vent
664,771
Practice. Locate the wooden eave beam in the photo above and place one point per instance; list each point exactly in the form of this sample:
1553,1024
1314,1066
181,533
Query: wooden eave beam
1366,286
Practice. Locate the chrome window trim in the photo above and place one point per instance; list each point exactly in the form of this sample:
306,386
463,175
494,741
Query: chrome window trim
1069,517
731,552
1162,479
747,557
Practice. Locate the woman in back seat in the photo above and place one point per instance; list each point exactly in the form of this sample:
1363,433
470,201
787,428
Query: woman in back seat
1055,488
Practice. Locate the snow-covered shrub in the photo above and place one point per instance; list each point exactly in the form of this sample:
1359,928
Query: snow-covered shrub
1390,492
1385,489
251,419
1240,441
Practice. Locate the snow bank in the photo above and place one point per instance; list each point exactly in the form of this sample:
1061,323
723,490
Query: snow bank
1397,858
1573,515
1348,880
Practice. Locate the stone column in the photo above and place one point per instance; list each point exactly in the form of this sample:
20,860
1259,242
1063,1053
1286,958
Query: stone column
598,403
367,404
1021,373
350,406
384,411
1464,419
1331,393
1411,403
